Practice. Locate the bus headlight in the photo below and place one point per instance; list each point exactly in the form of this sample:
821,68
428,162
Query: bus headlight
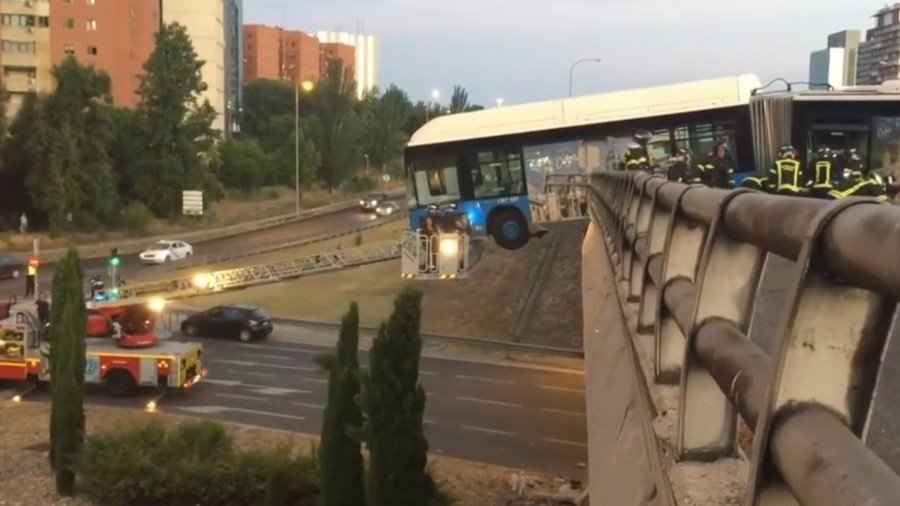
449,247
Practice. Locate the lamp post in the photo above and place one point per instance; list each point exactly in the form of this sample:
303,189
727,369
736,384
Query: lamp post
435,96
499,102
307,88
572,70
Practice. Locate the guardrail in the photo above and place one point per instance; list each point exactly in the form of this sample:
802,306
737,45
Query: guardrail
255,250
692,257
242,277
136,245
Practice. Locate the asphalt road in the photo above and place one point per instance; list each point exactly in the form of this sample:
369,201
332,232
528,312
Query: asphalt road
131,265
525,417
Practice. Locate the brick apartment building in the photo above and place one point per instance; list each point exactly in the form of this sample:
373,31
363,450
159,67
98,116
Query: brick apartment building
289,55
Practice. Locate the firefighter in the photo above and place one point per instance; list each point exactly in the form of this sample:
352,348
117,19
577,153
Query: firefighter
684,170
31,276
757,181
43,309
636,158
718,171
859,181
786,175
821,173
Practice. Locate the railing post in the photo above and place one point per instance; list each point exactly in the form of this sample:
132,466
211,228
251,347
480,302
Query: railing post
725,288
684,244
660,225
829,356
645,205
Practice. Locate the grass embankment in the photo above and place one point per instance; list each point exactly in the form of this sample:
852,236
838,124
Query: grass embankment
485,305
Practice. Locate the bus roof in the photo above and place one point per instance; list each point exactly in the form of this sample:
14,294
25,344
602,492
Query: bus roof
886,91
588,110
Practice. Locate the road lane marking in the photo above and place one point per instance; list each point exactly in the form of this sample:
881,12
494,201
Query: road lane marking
289,367
251,373
218,410
487,401
562,389
488,380
563,412
282,348
427,373
488,431
242,363
241,397
427,422
564,442
272,357
315,380
278,391
308,405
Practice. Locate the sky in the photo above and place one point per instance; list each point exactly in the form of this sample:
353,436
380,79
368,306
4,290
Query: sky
522,50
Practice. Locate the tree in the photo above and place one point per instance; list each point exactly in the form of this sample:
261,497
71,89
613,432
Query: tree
180,137
242,165
336,133
128,150
340,459
265,99
394,404
72,171
20,156
277,139
459,100
67,365
385,121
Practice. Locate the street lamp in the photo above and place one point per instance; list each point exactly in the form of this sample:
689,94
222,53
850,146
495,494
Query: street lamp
499,102
435,96
308,87
572,70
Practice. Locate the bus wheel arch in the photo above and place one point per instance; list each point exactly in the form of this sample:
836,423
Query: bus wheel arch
508,227
119,383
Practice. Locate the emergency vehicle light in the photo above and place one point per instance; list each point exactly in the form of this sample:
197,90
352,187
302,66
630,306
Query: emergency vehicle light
449,247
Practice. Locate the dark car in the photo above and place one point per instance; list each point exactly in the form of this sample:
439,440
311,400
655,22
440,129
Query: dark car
371,201
10,267
231,320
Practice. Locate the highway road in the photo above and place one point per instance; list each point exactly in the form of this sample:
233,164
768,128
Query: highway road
131,265
525,417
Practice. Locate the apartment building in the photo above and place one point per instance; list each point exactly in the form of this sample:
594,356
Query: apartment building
116,36
366,62
25,49
335,50
289,55
204,21
234,64
879,55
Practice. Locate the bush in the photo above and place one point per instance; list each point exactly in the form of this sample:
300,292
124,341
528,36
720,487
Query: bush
193,464
135,216
360,184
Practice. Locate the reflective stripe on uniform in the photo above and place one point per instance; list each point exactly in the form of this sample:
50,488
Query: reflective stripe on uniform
782,166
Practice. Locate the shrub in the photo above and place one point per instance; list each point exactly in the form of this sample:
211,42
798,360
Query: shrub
360,184
192,464
135,216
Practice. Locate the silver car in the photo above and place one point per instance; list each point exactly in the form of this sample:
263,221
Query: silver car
387,208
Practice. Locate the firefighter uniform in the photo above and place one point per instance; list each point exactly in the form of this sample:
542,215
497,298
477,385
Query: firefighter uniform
822,175
636,159
718,171
786,175
860,182
684,170
756,182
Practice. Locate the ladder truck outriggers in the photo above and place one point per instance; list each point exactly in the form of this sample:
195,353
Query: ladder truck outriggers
123,351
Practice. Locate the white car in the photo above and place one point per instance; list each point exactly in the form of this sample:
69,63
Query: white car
166,251
387,208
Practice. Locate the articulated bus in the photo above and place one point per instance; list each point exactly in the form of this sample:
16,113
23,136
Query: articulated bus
495,164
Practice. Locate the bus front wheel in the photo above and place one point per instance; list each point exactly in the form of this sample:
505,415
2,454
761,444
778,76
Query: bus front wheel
509,229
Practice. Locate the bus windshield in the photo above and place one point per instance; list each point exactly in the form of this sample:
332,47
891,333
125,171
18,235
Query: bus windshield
435,179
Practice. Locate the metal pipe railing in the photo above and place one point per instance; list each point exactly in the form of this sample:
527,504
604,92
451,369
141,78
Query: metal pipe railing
807,403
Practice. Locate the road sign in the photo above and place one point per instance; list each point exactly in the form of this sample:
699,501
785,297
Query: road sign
192,203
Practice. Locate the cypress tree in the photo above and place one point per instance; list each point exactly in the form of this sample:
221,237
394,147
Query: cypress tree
340,459
67,364
394,404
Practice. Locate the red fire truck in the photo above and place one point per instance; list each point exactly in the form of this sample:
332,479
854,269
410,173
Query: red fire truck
123,351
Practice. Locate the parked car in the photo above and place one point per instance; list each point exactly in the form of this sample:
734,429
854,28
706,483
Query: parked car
10,267
229,321
387,208
370,202
166,251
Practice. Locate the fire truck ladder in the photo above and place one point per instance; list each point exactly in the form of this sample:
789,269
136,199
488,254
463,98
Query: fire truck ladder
268,273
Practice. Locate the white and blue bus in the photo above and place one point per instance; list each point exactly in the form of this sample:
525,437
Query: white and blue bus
493,163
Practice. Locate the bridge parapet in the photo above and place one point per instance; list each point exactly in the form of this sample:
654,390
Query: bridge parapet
692,258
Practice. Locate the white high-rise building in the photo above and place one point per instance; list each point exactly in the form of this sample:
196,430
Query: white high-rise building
826,67
204,22
367,58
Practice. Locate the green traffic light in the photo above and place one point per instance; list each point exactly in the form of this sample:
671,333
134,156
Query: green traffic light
115,261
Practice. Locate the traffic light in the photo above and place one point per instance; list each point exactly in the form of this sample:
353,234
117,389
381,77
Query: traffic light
114,259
